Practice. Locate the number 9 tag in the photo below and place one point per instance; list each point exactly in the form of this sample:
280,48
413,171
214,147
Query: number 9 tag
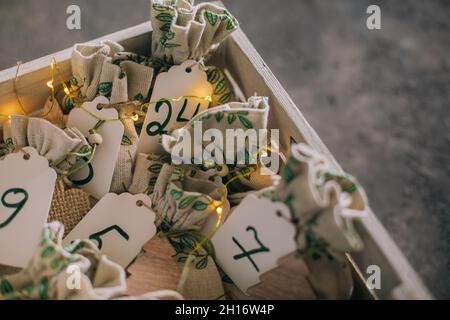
26,189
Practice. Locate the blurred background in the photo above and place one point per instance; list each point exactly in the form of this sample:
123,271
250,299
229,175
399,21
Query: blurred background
379,99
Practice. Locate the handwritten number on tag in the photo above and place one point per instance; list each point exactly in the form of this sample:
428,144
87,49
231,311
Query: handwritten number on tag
183,108
17,205
161,128
98,235
89,177
248,254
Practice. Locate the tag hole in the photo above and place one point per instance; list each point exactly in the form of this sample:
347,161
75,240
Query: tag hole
26,156
219,168
278,212
99,107
139,203
188,70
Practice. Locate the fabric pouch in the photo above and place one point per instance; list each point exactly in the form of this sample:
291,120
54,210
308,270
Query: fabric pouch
47,276
49,140
185,203
182,31
323,204
51,273
123,170
101,70
146,172
235,116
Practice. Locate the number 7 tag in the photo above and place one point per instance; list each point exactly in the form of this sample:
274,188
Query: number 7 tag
251,241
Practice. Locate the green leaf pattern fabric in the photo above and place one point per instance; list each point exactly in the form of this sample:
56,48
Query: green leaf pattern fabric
314,194
222,89
107,70
46,275
173,29
235,115
182,202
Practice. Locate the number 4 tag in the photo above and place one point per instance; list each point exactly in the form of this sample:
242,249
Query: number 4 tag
251,241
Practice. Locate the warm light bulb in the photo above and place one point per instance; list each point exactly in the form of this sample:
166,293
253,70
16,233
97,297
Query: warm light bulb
135,117
66,90
50,84
219,210
208,98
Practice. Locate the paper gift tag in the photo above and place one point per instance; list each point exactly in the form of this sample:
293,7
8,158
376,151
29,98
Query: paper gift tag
187,79
26,190
119,224
251,241
97,176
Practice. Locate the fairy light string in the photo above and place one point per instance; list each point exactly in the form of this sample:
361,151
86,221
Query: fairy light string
217,205
218,208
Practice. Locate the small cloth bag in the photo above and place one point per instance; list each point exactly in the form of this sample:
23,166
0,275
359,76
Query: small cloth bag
323,204
123,170
146,172
182,202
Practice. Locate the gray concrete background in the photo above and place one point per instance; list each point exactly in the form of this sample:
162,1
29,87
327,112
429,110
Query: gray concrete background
379,99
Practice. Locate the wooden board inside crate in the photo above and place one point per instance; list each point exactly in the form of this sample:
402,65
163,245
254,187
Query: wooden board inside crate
399,281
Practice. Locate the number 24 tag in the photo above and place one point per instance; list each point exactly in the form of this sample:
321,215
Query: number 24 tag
187,80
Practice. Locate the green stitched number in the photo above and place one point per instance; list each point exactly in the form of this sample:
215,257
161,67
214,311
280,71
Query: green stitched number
17,205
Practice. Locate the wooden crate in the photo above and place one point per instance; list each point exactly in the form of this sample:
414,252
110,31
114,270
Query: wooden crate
398,279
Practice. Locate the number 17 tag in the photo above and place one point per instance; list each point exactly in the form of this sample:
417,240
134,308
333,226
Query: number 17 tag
26,190
187,80
253,238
